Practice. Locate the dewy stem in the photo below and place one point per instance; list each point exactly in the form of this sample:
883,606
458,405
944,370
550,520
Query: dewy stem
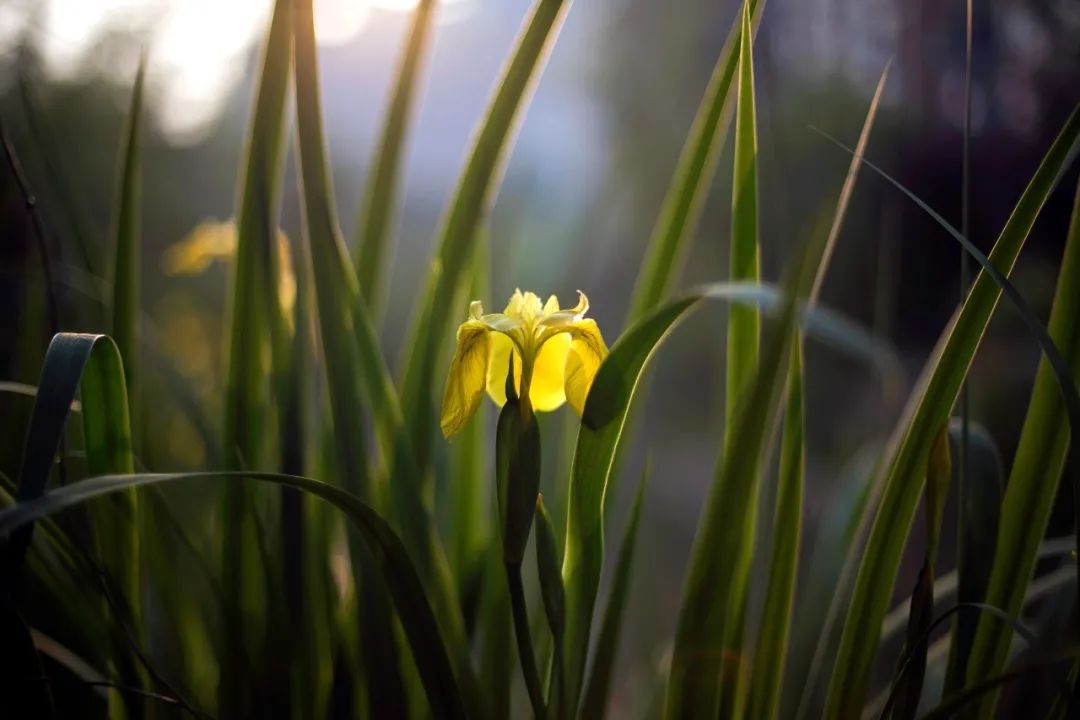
524,640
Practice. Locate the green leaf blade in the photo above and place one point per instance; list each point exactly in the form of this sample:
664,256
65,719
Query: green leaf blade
928,410
389,558
743,341
383,186
127,232
471,201
693,177
1037,467
598,688
770,652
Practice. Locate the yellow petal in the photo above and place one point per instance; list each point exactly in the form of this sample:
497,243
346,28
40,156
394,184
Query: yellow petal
547,389
498,362
209,241
556,318
524,307
552,305
587,351
468,371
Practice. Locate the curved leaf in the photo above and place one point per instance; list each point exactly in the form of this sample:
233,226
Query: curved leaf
410,600
68,357
601,430
927,412
1037,466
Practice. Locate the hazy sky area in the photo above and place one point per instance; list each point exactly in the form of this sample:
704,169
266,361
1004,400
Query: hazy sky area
197,48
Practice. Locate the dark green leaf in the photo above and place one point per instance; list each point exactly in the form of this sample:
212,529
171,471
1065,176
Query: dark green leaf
928,410
387,551
598,688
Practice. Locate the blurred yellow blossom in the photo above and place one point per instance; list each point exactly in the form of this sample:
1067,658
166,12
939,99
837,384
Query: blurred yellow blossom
215,240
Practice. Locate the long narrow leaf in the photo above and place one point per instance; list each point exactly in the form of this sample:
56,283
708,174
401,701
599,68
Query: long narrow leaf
743,340
693,176
979,494
335,294
929,408
472,199
387,551
597,690
601,430
1037,468
65,361
127,237
255,322
355,369
839,215
381,195
694,684
770,652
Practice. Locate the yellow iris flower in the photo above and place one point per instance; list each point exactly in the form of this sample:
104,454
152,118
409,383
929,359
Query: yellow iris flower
557,352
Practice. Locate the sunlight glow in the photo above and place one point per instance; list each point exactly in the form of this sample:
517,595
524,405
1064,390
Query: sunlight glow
197,49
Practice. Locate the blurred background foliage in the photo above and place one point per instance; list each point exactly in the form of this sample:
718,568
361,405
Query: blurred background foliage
584,184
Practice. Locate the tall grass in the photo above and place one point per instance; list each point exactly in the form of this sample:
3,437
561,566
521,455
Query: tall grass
337,591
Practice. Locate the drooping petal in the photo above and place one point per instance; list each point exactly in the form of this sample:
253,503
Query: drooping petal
561,318
498,363
466,379
547,389
587,351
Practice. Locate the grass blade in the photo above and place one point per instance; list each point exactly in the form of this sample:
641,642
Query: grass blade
700,635
387,551
255,322
335,291
70,359
849,185
598,688
65,361
770,652
911,673
472,198
116,523
693,177
381,197
355,368
1037,468
470,520
979,495
839,215
744,325
551,591
928,410
601,431
127,230
743,340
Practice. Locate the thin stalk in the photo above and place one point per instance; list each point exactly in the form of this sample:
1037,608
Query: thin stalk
30,200
965,261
